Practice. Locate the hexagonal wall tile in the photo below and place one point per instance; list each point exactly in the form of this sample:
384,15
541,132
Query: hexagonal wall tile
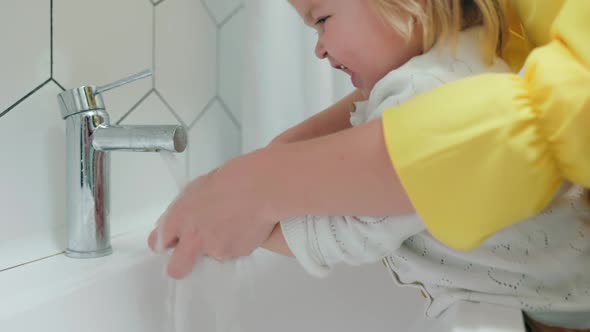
32,141
185,56
144,180
231,67
96,43
213,140
25,60
221,9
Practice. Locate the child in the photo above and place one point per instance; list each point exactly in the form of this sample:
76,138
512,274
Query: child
397,49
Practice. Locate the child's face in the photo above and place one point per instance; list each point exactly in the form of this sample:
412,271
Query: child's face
356,40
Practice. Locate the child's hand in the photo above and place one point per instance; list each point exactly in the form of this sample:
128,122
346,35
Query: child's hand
223,214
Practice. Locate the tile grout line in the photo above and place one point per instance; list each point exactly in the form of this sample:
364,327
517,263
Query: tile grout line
229,113
50,65
231,15
51,37
30,262
25,97
154,46
135,106
170,109
203,111
217,62
57,83
153,87
209,13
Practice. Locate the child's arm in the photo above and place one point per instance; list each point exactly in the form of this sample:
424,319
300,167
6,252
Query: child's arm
330,120
320,243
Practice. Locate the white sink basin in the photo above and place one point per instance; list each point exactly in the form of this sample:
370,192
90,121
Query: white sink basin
128,292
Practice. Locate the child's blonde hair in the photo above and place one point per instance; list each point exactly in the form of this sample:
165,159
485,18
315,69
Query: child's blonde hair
442,20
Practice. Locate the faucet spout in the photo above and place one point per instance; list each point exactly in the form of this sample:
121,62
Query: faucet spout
140,138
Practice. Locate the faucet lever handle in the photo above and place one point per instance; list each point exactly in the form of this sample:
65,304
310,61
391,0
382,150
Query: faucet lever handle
116,84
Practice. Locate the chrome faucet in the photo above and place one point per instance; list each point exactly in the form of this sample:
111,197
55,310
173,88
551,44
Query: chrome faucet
89,138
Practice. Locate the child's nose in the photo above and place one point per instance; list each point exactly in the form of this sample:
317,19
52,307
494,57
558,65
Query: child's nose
320,51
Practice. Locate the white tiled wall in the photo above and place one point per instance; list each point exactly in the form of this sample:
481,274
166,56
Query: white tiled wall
185,57
96,42
23,66
195,51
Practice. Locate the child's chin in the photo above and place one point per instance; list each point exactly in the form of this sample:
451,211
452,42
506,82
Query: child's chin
366,92
364,88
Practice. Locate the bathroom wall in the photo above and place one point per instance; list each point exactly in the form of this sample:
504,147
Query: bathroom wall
194,49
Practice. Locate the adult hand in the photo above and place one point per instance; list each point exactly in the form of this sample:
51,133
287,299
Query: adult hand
226,213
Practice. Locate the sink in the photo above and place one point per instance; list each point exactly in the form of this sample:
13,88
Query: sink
129,292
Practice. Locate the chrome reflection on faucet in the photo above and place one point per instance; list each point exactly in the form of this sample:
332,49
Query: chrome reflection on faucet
89,138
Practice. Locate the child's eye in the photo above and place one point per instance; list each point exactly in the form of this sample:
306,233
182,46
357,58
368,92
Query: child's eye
322,20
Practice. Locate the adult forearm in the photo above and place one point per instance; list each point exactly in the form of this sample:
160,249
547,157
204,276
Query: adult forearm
345,173
330,120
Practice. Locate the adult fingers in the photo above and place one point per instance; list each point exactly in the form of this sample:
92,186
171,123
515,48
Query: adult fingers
185,255
165,235
159,243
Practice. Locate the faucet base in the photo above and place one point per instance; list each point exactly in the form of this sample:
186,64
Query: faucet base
89,254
